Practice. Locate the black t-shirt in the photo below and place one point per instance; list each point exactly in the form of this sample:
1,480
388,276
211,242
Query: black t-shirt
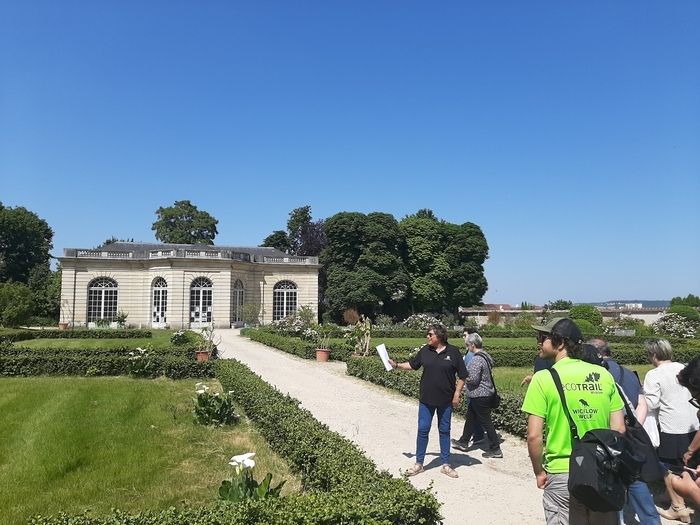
437,384
543,364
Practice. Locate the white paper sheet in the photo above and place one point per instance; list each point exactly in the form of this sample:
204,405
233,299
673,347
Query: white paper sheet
383,354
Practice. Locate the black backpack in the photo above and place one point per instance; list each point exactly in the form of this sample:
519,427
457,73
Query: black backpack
602,465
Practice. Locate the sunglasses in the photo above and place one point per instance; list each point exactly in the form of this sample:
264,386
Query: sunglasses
430,334
542,337
694,402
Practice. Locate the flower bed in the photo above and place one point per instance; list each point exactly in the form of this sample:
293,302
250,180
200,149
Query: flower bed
296,346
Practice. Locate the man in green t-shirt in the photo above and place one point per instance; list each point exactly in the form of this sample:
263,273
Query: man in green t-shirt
593,401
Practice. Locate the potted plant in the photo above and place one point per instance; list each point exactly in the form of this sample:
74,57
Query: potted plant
207,348
323,337
249,314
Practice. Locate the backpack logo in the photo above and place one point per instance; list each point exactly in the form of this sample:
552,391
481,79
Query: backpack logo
579,460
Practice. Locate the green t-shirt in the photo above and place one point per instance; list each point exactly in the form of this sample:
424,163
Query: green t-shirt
591,396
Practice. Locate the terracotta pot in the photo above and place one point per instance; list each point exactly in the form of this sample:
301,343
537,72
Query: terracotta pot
322,354
62,326
201,355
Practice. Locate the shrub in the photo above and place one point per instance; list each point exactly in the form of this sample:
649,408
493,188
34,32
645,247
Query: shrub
685,311
15,304
296,346
384,320
586,312
213,408
420,322
523,321
585,326
351,316
675,325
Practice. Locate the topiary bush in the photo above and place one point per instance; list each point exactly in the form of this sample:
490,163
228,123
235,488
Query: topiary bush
688,312
586,312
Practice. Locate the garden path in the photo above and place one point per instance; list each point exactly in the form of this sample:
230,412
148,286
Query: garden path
383,424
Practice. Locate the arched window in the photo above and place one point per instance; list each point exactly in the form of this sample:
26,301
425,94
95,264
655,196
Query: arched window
237,298
160,302
102,299
284,300
200,301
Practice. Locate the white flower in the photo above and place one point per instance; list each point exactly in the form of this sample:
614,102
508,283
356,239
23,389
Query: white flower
201,388
244,460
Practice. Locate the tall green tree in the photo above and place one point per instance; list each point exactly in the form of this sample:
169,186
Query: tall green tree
25,242
304,237
183,223
277,239
363,262
45,286
445,262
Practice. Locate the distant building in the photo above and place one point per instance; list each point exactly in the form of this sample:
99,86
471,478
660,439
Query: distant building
183,285
481,313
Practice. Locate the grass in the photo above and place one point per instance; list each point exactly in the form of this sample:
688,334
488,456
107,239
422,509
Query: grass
96,443
509,378
160,339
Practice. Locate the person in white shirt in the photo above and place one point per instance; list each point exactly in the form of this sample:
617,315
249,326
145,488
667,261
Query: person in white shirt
677,418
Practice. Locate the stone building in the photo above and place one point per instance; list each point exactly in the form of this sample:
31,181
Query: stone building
183,285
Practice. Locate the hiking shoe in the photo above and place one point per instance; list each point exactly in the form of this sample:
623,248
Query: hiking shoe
449,471
495,453
478,441
460,445
415,469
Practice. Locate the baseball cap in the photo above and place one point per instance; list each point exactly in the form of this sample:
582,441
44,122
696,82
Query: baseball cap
563,327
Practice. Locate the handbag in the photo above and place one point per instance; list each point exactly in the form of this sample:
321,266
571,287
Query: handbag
602,464
495,400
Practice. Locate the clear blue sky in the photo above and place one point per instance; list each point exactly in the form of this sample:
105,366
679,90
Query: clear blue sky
569,131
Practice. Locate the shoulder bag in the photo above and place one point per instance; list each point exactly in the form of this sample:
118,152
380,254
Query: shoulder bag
602,464
495,398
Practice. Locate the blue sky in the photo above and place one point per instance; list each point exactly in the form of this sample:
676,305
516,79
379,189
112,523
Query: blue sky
570,132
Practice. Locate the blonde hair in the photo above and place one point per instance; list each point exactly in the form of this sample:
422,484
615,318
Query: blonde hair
659,348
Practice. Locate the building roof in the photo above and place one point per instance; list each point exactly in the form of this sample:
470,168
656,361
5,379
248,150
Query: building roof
147,246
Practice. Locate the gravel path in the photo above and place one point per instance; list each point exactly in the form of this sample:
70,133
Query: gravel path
383,424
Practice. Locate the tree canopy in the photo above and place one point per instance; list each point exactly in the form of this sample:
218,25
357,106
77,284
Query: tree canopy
376,264
183,223
689,300
303,237
25,242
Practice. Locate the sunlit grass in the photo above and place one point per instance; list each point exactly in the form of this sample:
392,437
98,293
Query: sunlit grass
96,443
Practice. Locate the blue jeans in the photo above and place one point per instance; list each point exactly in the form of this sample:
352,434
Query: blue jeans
425,420
640,501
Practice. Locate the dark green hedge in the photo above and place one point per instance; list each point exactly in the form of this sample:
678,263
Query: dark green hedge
296,346
51,362
507,417
14,334
10,351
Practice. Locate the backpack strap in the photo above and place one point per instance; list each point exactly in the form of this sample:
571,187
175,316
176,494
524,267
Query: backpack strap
630,417
488,365
560,389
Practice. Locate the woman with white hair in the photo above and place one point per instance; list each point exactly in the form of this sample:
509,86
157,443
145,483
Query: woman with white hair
678,421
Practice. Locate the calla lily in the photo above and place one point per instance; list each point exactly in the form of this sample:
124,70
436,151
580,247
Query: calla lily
244,460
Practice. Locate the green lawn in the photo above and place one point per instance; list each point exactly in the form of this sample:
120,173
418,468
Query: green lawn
160,339
96,443
509,378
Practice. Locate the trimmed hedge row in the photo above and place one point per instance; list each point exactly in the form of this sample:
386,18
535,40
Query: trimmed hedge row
17,351
175,363
296,346
15,334
101,365
325,460
508,416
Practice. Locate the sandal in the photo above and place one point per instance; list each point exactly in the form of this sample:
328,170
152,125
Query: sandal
449,471
415,469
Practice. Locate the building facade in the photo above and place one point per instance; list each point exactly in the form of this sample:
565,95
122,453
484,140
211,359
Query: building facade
183,285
